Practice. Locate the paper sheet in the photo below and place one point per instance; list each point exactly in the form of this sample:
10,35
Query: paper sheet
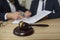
33,19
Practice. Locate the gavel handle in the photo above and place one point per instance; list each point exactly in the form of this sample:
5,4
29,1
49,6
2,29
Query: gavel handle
44,25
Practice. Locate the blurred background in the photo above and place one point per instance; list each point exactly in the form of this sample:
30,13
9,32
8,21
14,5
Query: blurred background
25,3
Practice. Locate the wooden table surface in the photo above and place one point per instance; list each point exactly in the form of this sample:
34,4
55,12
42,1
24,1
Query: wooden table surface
40,33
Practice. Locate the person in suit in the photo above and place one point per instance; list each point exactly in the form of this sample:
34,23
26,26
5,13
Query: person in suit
50,5
11,9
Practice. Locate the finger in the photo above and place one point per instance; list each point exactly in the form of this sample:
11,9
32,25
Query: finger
20,16
17,13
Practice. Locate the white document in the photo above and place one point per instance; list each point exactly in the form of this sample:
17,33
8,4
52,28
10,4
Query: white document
33,19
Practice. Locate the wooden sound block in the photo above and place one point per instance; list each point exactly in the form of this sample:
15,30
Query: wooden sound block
25,32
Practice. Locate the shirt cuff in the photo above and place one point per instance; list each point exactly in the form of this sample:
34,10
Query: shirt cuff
5,16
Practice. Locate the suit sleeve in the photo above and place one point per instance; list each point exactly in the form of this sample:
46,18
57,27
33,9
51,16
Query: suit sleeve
1,13
56,8
33,7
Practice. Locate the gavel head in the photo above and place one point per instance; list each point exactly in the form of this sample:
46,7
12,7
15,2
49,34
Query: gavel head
23,25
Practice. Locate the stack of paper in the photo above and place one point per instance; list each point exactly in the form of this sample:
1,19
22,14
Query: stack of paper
35,18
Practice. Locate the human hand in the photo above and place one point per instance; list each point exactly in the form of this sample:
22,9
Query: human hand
15,15
27,14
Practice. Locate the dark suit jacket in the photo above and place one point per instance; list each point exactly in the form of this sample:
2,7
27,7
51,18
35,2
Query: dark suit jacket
4,8
50,5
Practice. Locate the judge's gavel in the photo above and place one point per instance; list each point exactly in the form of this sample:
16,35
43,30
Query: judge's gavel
24,24
25,29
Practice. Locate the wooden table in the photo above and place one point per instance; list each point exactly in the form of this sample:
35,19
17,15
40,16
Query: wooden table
40,33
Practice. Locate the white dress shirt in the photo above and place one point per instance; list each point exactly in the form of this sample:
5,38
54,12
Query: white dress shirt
40,5
12,7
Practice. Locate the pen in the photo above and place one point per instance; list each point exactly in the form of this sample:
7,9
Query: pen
21,13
